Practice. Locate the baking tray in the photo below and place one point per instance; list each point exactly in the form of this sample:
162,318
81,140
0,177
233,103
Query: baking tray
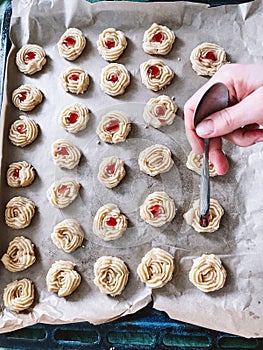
147,329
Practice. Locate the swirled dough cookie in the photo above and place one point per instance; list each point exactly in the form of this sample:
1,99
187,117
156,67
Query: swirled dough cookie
74,80
159,111
19,212
114,79
111,275
157,209
62,278
20,254
195,163
20,174
192,217
30,59
155,74
111,171
67,235
114,127
65,154
156,268
111,44
63,192
109,224
158,40
23,131
207,58
74,118
19,295
26,97
156,159
71,44
207,273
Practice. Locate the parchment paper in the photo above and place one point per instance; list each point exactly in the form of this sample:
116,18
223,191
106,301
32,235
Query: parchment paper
237,308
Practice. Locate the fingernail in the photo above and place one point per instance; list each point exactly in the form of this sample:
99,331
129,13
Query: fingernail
205,128
260,139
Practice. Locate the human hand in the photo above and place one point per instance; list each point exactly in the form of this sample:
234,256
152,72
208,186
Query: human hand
239,123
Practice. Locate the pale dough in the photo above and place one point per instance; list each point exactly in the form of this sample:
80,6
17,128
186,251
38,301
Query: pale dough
26,97
23,131
30,59
19,295
111,171
74,118
67,235
157,209
111,275
65,154
20,174
19,212
74,80
156,268
62,278
109,224
159,111
207,273
71,44
111,44
195,163
114,79
20,254
63,192
155,74
158,40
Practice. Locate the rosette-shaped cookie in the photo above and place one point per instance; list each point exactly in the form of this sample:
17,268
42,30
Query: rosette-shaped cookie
20,254
74,118
23,131
111,44
20,174
71,44
111,171
65,154
207,273
157,209
109,224
19,295
158,40
67,235
159,111
192,217
114,79
195,163
30,59
114,127
111,275
26,97
156,159
207,58
19,212
156,268
74,80
62,278
63,192
155,74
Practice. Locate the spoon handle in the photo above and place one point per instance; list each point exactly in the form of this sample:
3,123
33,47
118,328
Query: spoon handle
205,183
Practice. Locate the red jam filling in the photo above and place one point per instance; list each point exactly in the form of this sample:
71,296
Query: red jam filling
155,210
153,71
110,44
22,96
160,111
158,37
110,169
204,220
113,125
74,77
72,118
114,78
62,151
62,189
111,222
20,128
210,56
30,56
16,173
69,41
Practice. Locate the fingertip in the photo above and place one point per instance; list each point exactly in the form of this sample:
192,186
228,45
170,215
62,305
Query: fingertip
219,159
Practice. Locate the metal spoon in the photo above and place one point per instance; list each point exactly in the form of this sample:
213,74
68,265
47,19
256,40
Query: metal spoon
214,99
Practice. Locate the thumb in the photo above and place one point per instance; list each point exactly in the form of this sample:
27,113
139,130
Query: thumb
248,111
